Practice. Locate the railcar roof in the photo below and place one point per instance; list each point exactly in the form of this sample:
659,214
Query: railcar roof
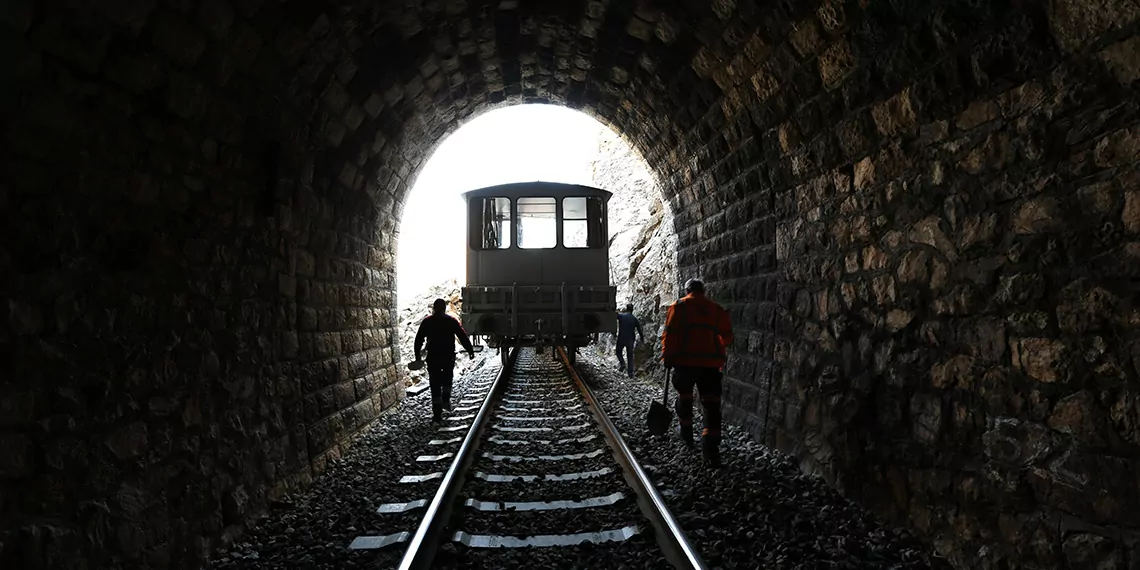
517,189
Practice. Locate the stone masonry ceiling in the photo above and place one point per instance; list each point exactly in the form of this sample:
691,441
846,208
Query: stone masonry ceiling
924,217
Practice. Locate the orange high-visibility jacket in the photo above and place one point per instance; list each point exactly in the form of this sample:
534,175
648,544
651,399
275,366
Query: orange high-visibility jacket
697,331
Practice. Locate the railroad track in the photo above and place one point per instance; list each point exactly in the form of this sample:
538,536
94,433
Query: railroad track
538,475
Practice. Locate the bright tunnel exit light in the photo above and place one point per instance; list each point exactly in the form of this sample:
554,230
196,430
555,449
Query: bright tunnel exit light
515,144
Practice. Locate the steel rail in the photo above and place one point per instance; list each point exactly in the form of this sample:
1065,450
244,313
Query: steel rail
672,540
422,547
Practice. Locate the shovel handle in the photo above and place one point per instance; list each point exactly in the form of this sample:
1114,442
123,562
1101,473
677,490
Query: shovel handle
665,391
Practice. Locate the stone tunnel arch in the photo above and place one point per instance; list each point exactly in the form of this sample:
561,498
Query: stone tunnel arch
919,214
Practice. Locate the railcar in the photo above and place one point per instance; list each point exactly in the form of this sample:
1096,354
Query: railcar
538,270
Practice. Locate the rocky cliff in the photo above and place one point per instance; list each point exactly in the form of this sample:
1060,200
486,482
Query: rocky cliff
643,245
413,309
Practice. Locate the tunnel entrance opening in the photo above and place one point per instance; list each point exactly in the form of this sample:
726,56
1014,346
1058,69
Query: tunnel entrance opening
519,144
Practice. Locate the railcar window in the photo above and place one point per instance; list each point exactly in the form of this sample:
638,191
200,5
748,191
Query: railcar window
583,222
490,223
537,222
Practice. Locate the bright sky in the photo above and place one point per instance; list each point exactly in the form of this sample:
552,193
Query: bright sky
515,144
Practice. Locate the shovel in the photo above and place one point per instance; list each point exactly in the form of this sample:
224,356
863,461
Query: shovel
659,415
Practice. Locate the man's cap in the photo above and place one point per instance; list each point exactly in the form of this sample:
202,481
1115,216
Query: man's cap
695,286
439,304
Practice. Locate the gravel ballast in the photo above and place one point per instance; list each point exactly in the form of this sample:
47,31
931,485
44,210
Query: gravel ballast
314,530
757,511
637,552
540,379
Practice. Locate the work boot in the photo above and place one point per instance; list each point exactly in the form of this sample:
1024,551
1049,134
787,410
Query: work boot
711,453
686,435
437,419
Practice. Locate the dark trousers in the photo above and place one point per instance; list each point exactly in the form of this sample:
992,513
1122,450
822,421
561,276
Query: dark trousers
707,381
440,373
626,362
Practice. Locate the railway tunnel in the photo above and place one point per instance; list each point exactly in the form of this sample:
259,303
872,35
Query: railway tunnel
922,216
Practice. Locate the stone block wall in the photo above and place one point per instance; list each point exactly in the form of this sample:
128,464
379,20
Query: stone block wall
196,308
932,261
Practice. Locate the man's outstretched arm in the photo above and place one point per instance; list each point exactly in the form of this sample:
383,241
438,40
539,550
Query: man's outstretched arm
464,339
421,334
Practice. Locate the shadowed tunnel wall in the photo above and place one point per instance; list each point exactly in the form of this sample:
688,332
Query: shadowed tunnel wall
923,217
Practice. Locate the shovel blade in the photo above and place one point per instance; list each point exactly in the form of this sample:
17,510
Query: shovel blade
659,418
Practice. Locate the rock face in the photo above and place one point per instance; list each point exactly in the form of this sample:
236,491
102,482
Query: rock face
413,310
922,216
643,243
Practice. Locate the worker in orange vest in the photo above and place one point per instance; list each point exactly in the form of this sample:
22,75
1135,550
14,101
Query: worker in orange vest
697,331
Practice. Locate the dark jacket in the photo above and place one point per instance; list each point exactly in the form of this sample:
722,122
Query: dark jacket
627,324
440,332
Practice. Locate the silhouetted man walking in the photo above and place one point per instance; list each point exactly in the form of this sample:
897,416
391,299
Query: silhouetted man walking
440,330
627,325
